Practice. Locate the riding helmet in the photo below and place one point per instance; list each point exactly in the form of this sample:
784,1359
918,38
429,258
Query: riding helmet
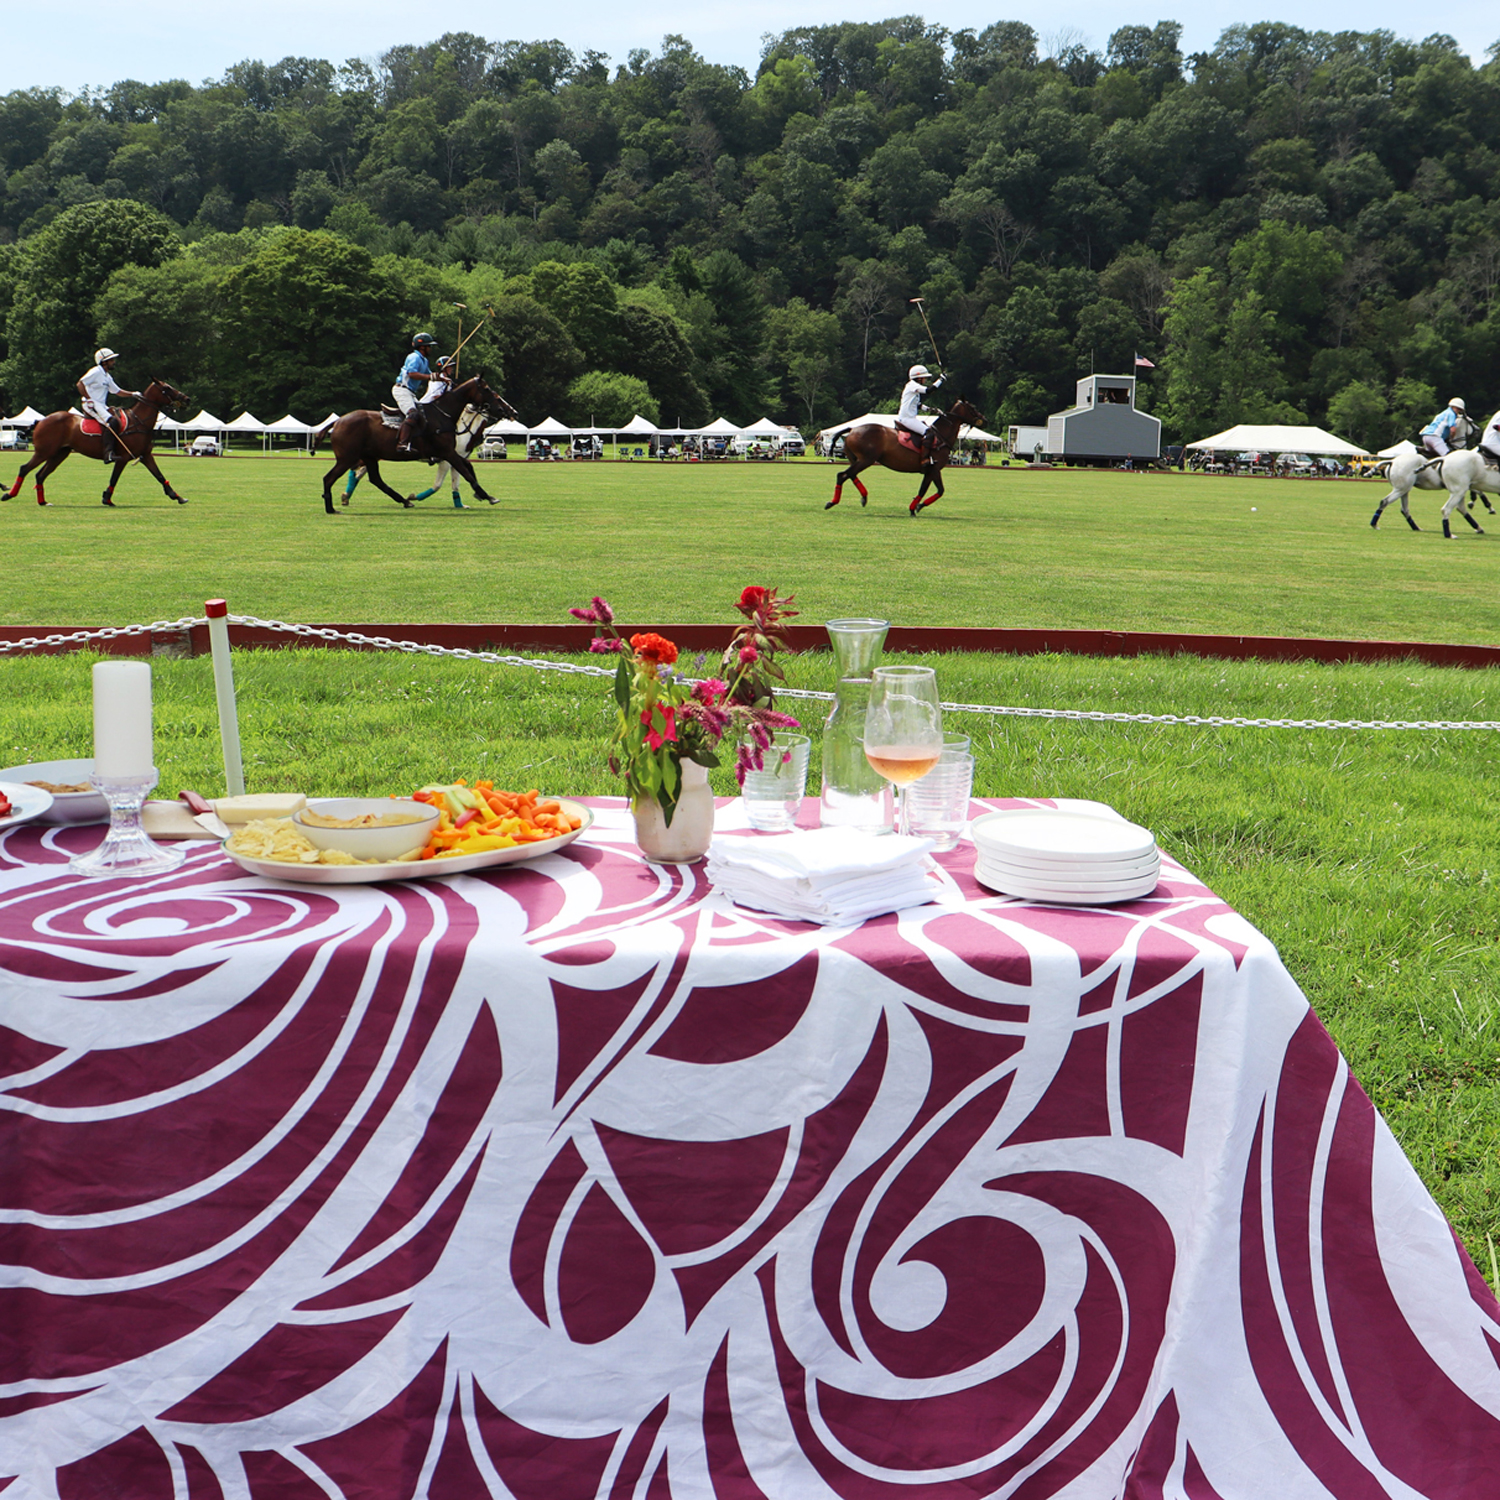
919,372
101,356
1458,401
423,341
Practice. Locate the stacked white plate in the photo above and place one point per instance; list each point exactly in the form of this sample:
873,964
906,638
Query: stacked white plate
1055,854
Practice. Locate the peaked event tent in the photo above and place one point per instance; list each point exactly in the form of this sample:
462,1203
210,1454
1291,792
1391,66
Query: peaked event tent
205,421
1250,439
722,427
550,427
28,417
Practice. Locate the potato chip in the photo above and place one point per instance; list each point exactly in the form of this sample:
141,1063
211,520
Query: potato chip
279,840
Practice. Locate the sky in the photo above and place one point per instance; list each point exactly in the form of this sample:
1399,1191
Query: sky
152,40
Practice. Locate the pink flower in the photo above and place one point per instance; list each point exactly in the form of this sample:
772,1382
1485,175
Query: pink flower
709,691
584,614
602,645
667,714
602,612
748,656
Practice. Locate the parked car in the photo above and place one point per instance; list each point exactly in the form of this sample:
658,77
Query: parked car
205,447
492,448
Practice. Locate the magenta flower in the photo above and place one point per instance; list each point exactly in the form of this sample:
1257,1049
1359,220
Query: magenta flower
709,691
667,714
602,611
605,646
748,656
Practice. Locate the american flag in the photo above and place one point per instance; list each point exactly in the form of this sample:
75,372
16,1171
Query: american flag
1142,363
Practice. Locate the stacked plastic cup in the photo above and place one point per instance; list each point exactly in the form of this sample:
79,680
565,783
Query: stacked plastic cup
939,802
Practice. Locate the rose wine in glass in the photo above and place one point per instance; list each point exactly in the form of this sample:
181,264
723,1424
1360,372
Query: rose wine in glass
903,727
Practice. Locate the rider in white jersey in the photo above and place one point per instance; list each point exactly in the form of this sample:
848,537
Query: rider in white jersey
95,388
1489,442
909,414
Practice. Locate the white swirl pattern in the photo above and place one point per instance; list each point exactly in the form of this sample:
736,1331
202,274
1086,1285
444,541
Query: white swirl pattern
572,1181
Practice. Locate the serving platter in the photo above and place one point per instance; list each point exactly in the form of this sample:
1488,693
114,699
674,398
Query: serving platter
420,869
27,802
66,807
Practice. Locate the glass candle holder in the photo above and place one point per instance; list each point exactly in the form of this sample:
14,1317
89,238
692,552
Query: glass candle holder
127,850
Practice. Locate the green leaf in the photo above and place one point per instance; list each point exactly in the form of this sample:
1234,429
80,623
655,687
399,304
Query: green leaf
622,685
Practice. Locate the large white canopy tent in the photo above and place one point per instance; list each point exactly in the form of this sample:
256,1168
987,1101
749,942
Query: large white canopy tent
205,421
550,427
1248,438
27,417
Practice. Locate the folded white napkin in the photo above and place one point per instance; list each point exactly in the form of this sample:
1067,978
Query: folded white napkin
832,876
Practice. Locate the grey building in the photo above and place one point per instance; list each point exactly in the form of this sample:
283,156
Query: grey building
1104,424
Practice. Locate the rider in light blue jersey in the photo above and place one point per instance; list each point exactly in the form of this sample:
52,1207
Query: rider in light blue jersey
411,384
1438,437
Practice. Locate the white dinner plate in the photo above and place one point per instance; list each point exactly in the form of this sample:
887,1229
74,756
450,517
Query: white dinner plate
1096,895
28,802
1062,836
421,869
1075,874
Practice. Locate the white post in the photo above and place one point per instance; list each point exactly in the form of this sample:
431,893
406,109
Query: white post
217,611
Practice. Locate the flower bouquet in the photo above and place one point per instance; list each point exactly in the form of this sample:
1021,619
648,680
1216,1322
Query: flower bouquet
666,722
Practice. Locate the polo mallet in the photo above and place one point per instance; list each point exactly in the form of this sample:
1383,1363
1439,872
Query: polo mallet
489,313
462,307
928,326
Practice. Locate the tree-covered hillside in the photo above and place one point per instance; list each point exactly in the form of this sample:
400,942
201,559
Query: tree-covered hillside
1293,226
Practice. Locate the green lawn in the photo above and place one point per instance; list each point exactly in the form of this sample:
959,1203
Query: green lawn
1369,858
677,542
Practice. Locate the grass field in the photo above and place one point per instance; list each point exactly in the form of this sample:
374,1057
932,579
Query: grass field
1369,858
677,542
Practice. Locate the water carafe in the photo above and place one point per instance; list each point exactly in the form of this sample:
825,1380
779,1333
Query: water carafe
854,795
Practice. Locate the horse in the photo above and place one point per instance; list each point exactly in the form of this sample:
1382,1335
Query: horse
363,437
466,432
873,443
62,433
1412,467
1461,473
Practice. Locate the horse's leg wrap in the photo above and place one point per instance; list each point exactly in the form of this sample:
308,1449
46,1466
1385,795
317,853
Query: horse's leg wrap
1375,519
864,494
41,494
838,494
1409,521
15,489
1447,530
1470,519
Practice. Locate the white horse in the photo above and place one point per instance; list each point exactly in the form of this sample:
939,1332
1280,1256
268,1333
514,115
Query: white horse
1458,473
467,431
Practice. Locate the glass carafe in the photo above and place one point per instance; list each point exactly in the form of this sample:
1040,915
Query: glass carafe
854,795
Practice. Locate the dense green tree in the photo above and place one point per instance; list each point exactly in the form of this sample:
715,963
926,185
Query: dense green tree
51,331
606,398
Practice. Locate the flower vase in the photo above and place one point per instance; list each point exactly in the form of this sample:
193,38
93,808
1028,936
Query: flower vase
686,838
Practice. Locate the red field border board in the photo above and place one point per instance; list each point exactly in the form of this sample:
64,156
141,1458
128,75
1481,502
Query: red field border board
907,639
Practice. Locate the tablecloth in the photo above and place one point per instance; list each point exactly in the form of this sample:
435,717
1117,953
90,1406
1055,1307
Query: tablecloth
573,1180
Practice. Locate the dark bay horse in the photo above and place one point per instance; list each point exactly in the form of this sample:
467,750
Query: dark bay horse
873,444
58,435
362,437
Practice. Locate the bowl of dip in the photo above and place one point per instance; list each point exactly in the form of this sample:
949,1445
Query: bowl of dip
378,828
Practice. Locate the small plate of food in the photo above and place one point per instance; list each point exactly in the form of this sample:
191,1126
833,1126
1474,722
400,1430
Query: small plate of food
73,798
20,803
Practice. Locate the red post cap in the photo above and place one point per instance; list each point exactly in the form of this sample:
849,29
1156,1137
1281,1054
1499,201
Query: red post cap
216,609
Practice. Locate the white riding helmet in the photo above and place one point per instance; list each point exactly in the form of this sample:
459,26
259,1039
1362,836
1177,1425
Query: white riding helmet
919,372
102,355
1458,401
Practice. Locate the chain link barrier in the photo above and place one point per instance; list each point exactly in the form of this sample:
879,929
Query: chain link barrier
584,669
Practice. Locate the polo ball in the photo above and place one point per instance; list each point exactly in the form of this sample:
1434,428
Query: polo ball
1253,509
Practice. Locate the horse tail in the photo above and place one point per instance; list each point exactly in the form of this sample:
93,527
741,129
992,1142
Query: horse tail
317,437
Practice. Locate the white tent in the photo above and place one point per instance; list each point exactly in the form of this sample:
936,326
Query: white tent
638,426
550,427
205,421
327,422
766,428
1275,439
28,417
723,427
1398,450
288,424
506,427
245,423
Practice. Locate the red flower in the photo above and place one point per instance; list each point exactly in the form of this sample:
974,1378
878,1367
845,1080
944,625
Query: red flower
709,691
667,714
653,647
748,656
753,598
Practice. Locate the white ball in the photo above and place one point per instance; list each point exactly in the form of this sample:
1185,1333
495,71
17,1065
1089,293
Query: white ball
1253,509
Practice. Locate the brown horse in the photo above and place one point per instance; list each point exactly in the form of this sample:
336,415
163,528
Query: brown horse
58,435
874,444
362,437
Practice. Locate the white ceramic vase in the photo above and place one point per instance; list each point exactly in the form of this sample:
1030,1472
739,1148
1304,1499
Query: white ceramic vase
687,837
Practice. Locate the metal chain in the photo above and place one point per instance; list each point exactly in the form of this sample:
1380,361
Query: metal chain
104,633
579,669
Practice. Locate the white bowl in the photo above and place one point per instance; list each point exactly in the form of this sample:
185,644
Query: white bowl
67,807
382,844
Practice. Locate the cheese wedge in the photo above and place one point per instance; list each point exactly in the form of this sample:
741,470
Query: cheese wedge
254,806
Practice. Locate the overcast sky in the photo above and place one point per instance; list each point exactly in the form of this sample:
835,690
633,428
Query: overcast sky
152,39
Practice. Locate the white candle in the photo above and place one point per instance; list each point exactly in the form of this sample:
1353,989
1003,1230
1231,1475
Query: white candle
122,721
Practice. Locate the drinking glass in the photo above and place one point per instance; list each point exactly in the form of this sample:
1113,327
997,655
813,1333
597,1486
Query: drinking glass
903,727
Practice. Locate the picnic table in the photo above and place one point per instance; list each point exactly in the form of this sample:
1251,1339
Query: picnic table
572,1179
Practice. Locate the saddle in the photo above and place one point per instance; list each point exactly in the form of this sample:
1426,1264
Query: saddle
908,439
90,428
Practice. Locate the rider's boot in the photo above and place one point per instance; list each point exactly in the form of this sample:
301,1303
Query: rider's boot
404,437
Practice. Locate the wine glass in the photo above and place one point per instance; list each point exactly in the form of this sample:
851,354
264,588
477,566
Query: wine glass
903,727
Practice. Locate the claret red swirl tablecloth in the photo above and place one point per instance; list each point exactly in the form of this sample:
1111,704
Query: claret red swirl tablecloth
574,1181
